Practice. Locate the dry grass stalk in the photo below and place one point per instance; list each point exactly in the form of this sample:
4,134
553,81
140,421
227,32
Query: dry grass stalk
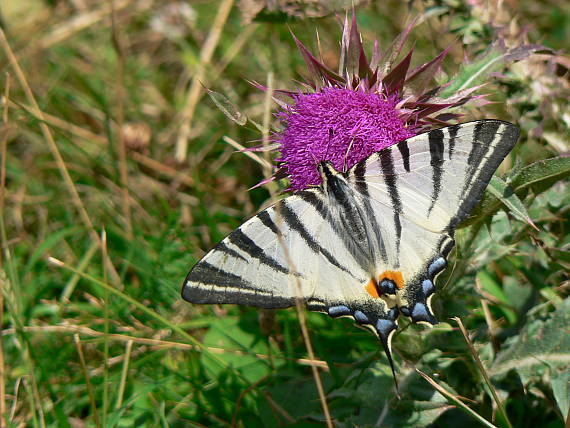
3,154
76,199
90,392
195,90
120,118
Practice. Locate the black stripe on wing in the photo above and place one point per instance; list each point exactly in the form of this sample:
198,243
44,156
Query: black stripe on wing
294,222
390,178
435,140
205,273
318,203
265,218
248,246
452,138
487,162
207,284
225,249
362,187
405,152
483,135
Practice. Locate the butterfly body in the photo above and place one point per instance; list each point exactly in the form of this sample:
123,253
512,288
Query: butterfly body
367,243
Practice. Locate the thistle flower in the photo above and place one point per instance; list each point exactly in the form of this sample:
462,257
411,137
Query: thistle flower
368,105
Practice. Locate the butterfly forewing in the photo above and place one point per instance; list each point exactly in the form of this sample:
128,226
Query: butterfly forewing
427,185
292,249
439,176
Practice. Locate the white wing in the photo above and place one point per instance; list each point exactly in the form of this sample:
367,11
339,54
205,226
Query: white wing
295,248
420,190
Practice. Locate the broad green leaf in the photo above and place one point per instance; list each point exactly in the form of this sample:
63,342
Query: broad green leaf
371,389
561,389
228,108
453,397
541,344
297,397
238,349
493,288
518,290
501,190
408,414
538,177
542,174
477,72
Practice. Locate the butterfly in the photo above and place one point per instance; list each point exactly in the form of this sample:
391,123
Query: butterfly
367,243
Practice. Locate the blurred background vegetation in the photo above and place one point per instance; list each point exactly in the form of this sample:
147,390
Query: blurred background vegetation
114,163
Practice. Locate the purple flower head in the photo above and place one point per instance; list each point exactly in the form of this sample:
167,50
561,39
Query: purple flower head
368,105
338,125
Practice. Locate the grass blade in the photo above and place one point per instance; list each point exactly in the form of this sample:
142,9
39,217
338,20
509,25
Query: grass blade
455,400
79,347
483,371
139,306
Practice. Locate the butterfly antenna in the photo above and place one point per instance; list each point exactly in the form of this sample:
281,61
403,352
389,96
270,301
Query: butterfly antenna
331,134
315,158
344,162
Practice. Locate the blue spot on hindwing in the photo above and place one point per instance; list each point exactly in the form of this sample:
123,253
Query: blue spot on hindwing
427,287
420,311
385,327
339,311
436,266
360,317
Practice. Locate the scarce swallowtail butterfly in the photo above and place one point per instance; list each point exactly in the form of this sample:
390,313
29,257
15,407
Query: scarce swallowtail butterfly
367,243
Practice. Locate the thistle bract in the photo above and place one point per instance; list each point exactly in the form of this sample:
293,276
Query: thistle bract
343,117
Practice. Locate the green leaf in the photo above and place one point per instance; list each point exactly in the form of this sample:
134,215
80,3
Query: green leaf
540,345
475,73
296,397
538,177
240,346
493,288
492,60
541,175
502,191
453,398
227,107
561,389
365,391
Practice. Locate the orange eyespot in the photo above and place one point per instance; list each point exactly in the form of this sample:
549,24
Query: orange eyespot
372,288
394,275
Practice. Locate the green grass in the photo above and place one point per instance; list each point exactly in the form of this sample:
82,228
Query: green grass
99,336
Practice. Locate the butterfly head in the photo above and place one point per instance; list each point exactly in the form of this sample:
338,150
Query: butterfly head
334,182
327,170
